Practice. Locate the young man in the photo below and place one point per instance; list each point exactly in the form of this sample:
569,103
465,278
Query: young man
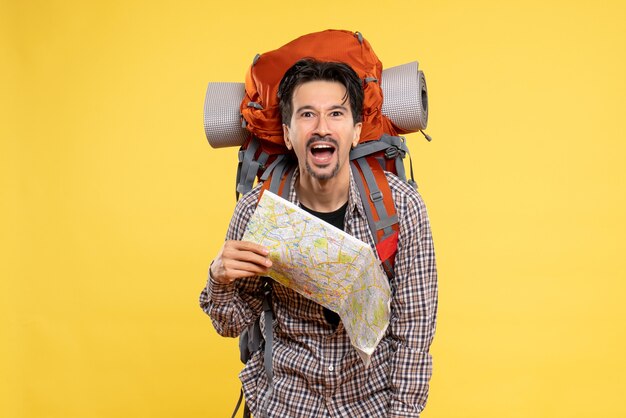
316,371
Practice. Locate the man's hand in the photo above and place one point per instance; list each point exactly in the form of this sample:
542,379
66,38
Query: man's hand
238,259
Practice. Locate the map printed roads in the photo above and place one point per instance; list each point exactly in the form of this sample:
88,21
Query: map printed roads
325,265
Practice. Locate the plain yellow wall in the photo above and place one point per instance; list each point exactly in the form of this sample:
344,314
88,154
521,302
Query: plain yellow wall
113,204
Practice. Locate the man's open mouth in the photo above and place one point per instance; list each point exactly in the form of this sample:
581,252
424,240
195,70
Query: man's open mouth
322,152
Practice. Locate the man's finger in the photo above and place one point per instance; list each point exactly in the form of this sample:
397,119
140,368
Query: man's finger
239,254
237,270
249,246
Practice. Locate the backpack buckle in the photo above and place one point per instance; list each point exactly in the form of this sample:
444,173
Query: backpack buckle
376,196
392,152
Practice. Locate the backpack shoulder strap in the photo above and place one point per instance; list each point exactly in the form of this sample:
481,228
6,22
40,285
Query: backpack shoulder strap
278,181
258,158
379,207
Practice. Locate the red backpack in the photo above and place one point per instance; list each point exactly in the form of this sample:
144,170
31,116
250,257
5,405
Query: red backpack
264,156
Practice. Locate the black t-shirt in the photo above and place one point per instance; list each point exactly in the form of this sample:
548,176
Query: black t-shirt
335,218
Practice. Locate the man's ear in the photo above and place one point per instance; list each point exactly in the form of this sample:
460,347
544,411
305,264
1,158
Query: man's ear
357,134
286,137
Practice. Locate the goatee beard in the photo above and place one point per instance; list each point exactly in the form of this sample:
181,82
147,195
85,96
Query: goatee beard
309,169
318,176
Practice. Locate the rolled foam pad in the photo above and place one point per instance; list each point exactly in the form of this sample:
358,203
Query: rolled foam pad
405,97
222,119
405,104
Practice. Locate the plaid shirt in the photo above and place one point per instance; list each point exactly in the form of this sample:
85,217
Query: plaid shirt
317,372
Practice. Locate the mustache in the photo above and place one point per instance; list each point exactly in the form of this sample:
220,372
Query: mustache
316,138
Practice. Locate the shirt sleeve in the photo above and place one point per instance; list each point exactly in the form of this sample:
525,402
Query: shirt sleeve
413,309
232,307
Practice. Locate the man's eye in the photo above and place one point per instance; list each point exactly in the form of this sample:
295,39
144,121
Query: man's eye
307,114
336,113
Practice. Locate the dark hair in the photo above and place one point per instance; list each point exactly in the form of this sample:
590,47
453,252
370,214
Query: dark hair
310,69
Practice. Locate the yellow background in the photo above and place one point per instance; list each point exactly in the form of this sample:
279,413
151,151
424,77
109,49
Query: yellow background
113,204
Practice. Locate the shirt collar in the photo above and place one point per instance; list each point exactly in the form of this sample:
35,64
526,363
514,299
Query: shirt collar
355,205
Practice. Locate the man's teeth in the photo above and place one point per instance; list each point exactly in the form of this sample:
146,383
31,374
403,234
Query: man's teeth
321,146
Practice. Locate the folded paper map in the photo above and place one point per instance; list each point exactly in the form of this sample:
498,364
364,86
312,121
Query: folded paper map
326,265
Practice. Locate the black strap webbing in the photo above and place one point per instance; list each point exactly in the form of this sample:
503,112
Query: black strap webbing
238,404
269,341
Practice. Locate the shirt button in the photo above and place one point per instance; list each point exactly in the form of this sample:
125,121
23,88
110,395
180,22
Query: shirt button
331,368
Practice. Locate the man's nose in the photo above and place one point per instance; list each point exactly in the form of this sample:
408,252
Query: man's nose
322,128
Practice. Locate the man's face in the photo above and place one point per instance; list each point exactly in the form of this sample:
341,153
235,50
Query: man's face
322,130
